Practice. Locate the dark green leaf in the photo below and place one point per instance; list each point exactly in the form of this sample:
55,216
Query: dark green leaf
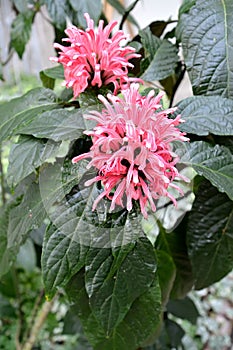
27,155
163,63
215,163
141,321
93,8
207,41
20,111
166,274
58,125
113,292
47,81
174,245
183,308
20,32
59,11
175,333
205,115
209,236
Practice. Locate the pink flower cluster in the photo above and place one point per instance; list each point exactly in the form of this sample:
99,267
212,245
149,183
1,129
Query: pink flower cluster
93,58
132,151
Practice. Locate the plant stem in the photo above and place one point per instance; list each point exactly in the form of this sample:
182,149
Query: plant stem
2,180
37,325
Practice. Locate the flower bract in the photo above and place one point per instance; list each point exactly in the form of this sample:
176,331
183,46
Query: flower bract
132,149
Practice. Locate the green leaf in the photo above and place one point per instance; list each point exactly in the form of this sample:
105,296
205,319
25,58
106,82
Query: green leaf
94,9
184,309
56,72
205,115
140,322
20,32
215,163
7,256
28,215
209,236
174,245
207,41
20,111
150,42
113,292
163,63
58,10
47,82
59,125
16,222
186,6
166,274
27,155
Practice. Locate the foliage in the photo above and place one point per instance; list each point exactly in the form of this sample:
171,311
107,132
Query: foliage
126,278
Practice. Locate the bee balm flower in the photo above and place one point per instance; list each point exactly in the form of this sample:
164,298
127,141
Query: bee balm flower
132,150
94,58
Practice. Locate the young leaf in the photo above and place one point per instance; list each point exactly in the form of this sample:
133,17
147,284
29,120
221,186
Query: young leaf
207,41
20,32
26,155
209,236
215,163
205,115
22,110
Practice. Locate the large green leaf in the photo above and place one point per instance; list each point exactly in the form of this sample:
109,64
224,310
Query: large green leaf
94,9
140,322
20,31
205,115
113,287
26,155
174,245
215,163
59,125
210,236
20,111
207,40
